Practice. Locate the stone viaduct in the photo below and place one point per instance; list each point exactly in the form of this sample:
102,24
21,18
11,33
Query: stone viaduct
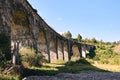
25,28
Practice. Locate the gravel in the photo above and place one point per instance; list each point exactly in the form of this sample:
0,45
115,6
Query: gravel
84,75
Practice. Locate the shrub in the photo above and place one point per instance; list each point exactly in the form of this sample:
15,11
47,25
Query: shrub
9,77
82,61
70,63
29,56
5,46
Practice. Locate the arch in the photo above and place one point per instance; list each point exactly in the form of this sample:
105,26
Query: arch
76,52
53,52
20,18
20,25
20,34
41,43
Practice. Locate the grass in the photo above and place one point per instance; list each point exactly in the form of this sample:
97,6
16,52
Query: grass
8,77
75,67
111,68
69,67
51,69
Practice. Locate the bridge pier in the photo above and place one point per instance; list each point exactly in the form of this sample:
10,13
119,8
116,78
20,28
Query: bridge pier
76,52
48,37
53,50
66,52
60,50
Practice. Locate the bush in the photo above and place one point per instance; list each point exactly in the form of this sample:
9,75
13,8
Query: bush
106,55
82,61
5,46
29,56
9,77
70,63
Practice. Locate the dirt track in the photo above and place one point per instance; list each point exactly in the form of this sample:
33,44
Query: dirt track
84,75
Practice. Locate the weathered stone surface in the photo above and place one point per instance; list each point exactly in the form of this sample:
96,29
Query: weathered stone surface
27,29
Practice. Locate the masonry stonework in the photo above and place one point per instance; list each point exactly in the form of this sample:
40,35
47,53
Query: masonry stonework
25,28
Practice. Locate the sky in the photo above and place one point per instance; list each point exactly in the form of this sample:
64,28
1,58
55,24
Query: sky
98,19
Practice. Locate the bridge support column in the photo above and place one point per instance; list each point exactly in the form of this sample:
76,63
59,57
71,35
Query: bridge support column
56,46
53,51
62,43
66,53
69,50
80,50
60,50
83,53
48,45
15,51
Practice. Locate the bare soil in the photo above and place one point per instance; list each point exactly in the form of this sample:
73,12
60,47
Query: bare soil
83,75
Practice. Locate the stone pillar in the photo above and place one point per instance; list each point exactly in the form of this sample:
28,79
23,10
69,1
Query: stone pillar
47,35
80,49
66,53
62,43
69,49
53,55
83,53
15,57
60,50
56,45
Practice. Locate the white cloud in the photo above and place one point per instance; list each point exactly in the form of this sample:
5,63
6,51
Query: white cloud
59,19
61,33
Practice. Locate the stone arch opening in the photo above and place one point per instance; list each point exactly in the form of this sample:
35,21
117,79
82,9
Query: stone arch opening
76,52
20,25
20,34
41,43
53,55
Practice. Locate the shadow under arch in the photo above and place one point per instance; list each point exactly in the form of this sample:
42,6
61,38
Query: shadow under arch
20,25
53,50
20,34
42,43
75,51
69,67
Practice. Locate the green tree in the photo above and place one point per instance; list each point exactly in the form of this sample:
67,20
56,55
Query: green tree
93,40
5,46
79,38
68,35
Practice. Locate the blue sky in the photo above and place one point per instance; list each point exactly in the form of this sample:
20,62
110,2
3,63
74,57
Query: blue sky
98,19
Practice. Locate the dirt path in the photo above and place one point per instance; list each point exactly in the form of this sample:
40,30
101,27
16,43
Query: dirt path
84,75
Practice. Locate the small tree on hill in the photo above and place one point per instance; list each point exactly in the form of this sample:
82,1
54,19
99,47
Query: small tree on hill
79,38
93,40
68,35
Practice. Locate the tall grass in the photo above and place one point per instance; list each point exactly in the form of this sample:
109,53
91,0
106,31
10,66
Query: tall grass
9,77
30,58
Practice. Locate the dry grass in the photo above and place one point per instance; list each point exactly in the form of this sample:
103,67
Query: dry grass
112,68
117,49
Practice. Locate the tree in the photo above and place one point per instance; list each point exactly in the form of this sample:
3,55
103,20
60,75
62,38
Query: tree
79,38
68,35
93,40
